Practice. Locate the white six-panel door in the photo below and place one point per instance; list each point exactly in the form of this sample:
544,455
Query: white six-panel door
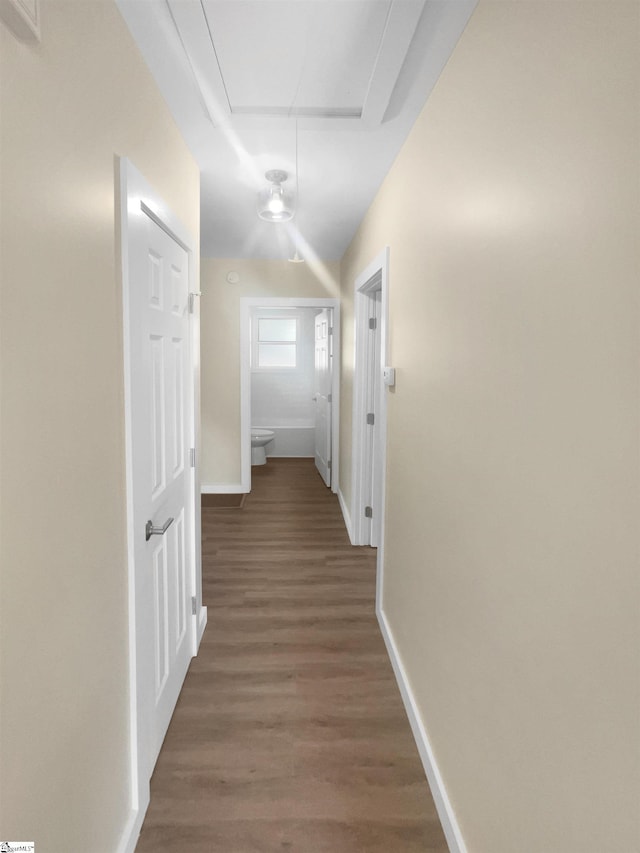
160,394
323,394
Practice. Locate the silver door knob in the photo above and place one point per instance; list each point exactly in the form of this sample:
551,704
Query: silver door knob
150,530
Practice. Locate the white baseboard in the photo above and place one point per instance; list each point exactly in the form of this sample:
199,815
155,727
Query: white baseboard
223,489
202,624
438,791
345,515
131,832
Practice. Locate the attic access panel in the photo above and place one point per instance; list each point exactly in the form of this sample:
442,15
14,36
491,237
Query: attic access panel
323,59
312,57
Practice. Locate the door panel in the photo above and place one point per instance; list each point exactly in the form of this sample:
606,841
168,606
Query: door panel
181,596
156,352
176,383
323,394
160,617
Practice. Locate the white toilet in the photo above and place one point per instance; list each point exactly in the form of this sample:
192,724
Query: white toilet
259,440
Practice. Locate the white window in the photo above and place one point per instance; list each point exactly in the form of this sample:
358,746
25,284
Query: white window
275,343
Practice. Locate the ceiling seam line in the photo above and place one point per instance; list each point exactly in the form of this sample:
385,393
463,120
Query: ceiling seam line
378,52
201,97
215,53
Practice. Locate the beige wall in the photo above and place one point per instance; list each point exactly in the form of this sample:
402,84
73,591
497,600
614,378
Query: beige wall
511,580
220,324
67,106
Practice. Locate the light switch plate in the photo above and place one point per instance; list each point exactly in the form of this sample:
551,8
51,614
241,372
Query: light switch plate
389,376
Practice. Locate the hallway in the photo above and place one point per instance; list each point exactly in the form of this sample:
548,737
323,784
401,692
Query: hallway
290,732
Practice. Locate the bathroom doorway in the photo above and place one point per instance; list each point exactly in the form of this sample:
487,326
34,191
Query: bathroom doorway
283,388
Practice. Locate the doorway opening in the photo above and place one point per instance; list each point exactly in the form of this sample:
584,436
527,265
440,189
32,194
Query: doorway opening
289,375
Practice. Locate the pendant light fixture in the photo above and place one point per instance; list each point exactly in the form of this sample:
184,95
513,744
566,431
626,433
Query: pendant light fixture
275,204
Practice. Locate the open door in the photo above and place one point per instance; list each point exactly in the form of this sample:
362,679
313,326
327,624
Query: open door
165,613
160,377
322,396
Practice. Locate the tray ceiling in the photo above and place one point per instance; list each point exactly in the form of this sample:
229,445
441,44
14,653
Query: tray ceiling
329,59
325,90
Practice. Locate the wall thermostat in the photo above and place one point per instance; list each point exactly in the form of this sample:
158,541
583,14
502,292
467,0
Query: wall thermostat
233,277
389,376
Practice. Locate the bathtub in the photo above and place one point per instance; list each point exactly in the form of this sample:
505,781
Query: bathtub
291,440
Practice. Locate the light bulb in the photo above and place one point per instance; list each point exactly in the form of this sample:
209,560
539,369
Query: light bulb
276,203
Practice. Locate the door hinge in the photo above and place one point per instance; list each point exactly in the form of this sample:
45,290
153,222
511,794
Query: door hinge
192,457
330,464
330,398
330,330
368,512
371,419
194,605
373,323
192,299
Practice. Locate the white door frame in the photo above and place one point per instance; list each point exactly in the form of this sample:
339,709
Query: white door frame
138,201
375,277
246,304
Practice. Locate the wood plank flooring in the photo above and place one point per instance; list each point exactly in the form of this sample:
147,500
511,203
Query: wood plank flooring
290,733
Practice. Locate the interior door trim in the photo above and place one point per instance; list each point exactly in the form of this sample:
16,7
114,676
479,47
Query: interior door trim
374,277
246,304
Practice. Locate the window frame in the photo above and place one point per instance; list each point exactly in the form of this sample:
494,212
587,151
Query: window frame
255,365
